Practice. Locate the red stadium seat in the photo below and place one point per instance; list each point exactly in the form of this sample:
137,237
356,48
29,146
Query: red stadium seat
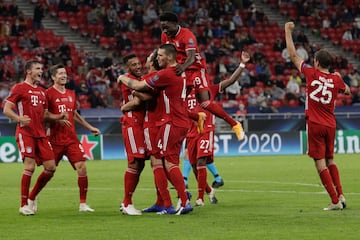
63,17
293,103
105,43
73,23
276,103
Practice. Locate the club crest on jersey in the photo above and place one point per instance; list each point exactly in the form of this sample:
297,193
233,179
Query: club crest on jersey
28,149
141,150
154,79
191,42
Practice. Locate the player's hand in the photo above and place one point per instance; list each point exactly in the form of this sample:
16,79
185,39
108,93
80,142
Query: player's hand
245,57
95,131
120,77
64,116
24,120
124,109
289,26
179,69
64,122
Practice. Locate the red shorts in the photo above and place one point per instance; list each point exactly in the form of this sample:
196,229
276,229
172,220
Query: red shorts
134,142
152,148
37,148
210,159
200,146
73,151
321,141
170,139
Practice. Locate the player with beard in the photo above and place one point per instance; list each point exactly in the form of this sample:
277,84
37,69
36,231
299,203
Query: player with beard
173,123
133,134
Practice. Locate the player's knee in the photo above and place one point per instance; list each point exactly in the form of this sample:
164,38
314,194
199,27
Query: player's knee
81,168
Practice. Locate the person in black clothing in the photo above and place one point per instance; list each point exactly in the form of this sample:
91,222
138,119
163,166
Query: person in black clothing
107,66
124,43
38,16
17,29
13,9
96,100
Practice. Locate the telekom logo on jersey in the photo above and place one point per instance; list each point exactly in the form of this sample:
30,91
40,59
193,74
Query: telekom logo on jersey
62,108
191,103
34,100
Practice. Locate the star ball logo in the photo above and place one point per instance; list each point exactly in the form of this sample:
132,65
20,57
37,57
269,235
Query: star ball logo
91,146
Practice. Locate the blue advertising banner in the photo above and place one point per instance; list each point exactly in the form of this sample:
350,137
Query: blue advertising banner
258,143
113,147
255,143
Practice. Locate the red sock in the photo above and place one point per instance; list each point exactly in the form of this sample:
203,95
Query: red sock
131,179
177,180
42,180
25,185
201,179
329,186
83,187
162,185
159,200
218,111
334,172
207,188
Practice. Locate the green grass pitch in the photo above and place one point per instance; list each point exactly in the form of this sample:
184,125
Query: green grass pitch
264,197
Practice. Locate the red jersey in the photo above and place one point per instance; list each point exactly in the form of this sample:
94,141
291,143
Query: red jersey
60,102
153,107
183,41
131,117
321,92
172,97
214,91
31,101
193,106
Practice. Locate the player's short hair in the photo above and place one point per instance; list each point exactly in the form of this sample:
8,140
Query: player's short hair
324,58
30,63
154,60
169,49
168,16
53,69
128,57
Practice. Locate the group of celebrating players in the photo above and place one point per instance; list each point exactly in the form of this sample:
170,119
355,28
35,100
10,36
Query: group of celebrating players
172,103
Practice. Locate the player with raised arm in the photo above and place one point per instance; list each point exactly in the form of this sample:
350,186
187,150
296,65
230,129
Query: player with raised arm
62,134
200,146
322,88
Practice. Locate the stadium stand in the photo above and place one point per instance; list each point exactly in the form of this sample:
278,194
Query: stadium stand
103,25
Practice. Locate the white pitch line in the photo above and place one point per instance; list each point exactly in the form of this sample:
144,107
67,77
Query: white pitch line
275,182
217,190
